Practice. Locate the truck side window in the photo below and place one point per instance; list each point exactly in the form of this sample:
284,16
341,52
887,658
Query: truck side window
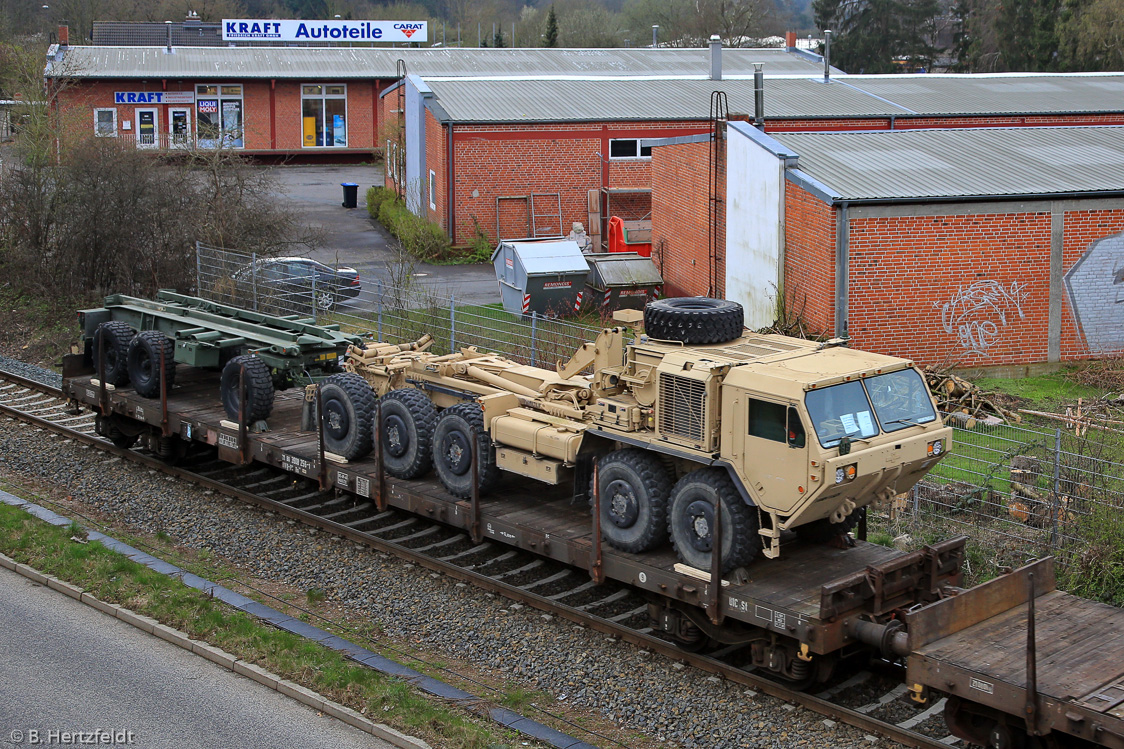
773,421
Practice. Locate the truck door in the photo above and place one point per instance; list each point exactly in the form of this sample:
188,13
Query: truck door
776,452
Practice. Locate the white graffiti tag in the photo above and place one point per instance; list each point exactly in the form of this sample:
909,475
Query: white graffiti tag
976,313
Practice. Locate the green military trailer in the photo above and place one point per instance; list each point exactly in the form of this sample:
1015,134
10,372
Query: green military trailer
140,341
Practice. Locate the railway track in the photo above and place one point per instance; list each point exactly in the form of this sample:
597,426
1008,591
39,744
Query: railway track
611,608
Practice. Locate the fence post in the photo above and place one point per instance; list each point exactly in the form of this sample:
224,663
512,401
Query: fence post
1055,498
452,323
380,310
534,333
254,277
198,269
315,301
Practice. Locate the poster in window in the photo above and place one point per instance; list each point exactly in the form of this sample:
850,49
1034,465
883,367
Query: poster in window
340,137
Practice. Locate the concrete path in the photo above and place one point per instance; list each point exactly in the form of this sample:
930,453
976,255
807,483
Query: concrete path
352,238
67,667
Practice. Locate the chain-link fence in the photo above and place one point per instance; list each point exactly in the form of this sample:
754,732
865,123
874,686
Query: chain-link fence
381,309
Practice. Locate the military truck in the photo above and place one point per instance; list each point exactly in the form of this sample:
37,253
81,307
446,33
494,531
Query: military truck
683,415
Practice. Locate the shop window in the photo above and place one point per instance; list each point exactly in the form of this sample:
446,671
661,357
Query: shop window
432,189
628,148
218,116
324,115
105,123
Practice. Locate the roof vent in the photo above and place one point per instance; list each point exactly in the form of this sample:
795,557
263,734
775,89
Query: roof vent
715,57
827,55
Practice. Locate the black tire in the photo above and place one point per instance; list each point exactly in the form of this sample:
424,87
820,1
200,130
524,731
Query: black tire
259,388
691,520
144,362
694,320
456,427
408,419
116,336
823,531
634,487
347,406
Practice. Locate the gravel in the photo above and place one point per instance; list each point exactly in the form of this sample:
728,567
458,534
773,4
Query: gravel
30,371
519,646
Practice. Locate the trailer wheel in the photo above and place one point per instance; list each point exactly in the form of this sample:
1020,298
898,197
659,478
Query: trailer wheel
691,520
408,418
259,388
347,406
694,320
823,531
116,336
457,427
144,362
634,486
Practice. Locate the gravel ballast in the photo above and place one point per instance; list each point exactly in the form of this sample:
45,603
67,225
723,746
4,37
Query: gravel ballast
519,646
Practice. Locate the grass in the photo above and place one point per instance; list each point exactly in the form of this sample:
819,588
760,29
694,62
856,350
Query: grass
1042,392
114,578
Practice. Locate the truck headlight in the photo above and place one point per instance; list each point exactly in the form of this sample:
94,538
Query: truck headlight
936,448
846,473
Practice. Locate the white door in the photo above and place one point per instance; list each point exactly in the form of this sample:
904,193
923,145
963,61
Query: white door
179,127
147,129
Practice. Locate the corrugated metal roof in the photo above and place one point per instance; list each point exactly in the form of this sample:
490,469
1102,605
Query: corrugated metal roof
997,94
960,163
496,100
367,62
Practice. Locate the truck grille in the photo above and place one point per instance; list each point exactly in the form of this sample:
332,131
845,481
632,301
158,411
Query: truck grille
682,407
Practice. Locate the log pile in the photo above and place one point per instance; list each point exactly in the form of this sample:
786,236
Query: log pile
965,402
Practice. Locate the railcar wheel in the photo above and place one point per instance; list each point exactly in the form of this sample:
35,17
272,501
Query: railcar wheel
824,531
694,320
259,388
107,427
408,419
348,406
634,486
691,520
113,339
457,427
144,362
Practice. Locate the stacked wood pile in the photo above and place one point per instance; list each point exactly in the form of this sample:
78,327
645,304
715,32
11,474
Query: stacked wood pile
1029,504
965,402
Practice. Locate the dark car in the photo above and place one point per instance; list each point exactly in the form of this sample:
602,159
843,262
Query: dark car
296,281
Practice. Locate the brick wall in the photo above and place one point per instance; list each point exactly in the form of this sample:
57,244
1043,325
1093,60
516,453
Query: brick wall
435,158
680,218
809,260
1096,297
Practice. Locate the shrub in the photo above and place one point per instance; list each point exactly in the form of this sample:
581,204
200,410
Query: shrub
420,237
481,246
376,196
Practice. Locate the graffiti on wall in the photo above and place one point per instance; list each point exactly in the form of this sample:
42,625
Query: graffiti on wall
978,314
1095,287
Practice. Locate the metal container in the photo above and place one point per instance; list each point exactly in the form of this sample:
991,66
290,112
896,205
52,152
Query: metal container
544,277
622,280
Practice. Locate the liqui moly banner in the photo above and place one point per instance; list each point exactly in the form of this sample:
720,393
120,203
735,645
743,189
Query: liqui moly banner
258,30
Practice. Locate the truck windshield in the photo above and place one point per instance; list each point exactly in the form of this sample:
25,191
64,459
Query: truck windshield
841,411
901,399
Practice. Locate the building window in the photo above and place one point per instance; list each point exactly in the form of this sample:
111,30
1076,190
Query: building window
628,148
432,189
218,115
324,115
390,161
105,123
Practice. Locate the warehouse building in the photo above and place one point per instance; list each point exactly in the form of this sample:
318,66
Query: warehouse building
973,248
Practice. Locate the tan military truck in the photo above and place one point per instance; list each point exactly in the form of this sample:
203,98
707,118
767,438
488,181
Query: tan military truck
790,434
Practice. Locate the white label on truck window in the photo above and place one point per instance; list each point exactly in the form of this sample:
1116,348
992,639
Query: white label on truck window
849,423
982,686
865,423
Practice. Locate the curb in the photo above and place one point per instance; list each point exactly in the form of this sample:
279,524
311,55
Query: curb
221,658
506,718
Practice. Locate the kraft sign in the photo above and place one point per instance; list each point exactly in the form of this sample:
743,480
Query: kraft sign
324,31
153,97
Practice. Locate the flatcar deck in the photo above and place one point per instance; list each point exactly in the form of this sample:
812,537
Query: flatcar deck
808,593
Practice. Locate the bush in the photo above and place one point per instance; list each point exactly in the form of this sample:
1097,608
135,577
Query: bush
420,237
376,196
481,246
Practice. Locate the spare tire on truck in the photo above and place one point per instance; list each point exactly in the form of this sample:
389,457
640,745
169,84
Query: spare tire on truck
694,320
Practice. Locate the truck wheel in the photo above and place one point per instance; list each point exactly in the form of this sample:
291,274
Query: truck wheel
116,336
408,418
634,486
823,530
347,405
691,520
457,427
694,320
144,362
259,388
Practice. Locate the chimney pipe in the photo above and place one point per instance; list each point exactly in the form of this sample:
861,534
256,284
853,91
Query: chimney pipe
827,55
715,57
64,35
790,40
758,96
168,28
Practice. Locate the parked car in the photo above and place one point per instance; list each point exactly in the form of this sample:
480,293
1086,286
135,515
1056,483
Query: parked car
297,281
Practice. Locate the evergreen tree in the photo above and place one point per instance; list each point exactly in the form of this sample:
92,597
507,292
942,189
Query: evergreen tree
1027,36
879,36
550,38
499,41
